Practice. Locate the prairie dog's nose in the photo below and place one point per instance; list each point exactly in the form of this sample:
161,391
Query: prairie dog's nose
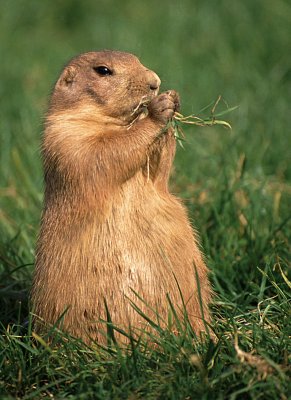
153,80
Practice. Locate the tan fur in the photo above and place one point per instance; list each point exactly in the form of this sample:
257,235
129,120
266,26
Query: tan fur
109,223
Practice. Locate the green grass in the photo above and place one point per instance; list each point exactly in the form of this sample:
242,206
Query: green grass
236,185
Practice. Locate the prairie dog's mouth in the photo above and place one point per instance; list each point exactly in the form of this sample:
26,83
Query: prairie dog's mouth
141,106
140,110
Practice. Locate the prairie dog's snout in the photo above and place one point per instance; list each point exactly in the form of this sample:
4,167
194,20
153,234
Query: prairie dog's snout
153,80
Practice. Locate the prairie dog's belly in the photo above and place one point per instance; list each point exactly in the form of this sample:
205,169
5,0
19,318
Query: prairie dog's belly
151,241
143,244
143,240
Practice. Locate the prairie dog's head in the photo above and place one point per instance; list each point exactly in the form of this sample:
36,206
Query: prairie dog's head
113,81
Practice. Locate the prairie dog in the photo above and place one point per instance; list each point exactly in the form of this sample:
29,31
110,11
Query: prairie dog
109,224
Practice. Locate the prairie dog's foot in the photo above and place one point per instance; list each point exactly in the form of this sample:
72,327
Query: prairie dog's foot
163,107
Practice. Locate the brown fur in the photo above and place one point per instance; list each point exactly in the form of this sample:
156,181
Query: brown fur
109,223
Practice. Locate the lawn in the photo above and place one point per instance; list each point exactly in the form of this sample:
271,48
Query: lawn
236,185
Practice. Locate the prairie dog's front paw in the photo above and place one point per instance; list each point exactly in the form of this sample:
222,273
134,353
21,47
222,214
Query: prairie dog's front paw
163,107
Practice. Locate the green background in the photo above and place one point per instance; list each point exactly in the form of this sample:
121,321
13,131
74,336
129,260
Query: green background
236,184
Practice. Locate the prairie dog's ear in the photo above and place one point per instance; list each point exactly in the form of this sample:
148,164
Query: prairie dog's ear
68,76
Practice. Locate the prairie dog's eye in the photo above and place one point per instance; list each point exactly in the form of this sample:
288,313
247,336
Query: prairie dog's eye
102,70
